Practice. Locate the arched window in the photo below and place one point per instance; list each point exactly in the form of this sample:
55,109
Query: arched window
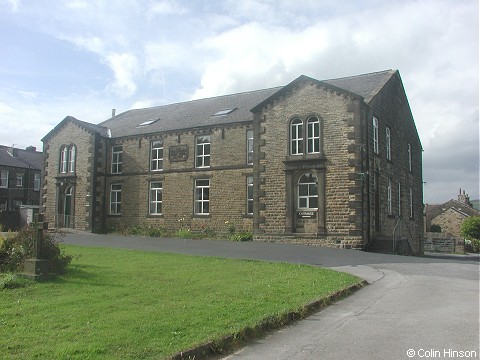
296,137
308,192
63,159
313,135
71,159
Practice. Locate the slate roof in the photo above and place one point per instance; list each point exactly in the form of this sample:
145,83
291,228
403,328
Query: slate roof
27,159
199,113
103,131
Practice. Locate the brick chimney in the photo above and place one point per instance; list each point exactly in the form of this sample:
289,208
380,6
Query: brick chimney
31,148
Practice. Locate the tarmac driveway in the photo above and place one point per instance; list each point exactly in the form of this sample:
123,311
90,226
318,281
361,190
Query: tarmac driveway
414,308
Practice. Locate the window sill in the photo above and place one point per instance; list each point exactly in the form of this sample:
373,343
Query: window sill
201,216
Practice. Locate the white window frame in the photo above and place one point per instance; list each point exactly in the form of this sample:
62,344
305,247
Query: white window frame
71,158
64,159
115,199
36,181
399,198
375,135
156,155
409,154
117,159
388,143
249,195
155,195
311,192
202,151
296,137
19,182
4,179
389,197
313,135
202,197
250,146
410,196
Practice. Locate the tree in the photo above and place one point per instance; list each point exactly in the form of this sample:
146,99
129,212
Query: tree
470,230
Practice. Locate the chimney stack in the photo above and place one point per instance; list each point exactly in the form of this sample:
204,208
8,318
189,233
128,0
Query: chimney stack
113,112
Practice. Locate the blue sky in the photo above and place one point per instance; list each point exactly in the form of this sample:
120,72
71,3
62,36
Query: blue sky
83,58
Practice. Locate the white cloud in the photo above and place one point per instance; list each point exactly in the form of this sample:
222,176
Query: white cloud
166,8
125,68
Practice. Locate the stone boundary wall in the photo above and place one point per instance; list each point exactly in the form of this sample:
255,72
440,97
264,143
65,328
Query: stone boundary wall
346,242
443,243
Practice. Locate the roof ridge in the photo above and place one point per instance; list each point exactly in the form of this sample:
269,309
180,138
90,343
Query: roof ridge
360,75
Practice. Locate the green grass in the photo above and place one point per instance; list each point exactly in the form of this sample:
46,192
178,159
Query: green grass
127,304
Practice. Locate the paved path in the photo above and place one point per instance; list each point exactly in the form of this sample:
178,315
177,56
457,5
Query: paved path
428,306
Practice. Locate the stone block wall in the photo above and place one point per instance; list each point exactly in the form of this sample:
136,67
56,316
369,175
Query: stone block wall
334,167
391,109
227,173
55,183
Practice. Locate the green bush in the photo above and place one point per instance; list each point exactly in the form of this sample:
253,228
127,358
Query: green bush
12,281
21,246
242,236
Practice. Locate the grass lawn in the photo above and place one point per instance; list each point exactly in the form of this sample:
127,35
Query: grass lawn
127,304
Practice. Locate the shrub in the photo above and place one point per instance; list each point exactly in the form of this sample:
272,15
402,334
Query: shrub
243,236
22,246
12,281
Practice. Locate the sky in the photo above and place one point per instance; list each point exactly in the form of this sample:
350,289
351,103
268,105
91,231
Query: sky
85,58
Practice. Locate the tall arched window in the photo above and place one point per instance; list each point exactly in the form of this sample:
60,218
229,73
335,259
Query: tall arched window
296,137
313,135
308,192
71,159
63,159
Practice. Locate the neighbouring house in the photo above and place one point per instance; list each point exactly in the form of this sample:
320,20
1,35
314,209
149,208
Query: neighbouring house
20,183
20,177
324,162
450,215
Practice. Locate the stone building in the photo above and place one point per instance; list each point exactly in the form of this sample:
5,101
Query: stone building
450,215
335,162
20,177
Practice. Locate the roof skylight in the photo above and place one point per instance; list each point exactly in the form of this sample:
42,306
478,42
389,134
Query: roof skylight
224,112
146,123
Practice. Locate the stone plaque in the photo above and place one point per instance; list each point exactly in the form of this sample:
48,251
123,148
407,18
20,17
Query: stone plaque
178,153
307,214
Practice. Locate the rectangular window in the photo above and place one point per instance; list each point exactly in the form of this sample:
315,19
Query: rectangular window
202,197
156,155
250,195
389,196
202,151
409,154
117,155
399,199
388,143
249,147
36,182
410,200
19,180
115,199
155,198
4,179
375,135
